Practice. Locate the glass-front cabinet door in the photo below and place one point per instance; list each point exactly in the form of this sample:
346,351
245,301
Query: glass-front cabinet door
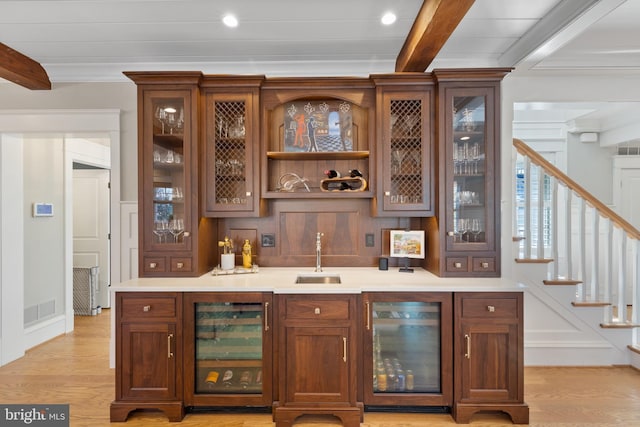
470,166
406,153
408,348
228,347
230,144
166,161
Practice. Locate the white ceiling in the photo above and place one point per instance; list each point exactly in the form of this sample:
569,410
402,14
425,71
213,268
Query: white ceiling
96,40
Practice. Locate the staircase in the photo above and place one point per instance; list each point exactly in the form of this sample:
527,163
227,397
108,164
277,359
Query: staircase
580,261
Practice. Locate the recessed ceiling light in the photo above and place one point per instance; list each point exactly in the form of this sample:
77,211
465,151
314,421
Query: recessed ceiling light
388,18
230,21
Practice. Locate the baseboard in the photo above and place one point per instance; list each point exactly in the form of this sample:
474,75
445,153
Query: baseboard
44,331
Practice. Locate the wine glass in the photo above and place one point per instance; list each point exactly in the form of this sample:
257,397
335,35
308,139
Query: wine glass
411,120
397,157
160,230
416,156
161,115
476,229
176,228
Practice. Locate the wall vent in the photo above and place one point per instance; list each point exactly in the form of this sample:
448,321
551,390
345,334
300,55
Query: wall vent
39,312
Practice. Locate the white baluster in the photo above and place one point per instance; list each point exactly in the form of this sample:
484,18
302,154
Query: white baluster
622,278
582,288
567,234
540,219
554,228
595,257
527,208
608,289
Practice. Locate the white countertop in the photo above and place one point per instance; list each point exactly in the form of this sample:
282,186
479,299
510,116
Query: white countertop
281,280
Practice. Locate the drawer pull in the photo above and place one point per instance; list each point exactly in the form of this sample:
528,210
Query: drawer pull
153,265
316,310
266,316
467,338
146,308
491,309
169,352
368,315
180,265
485,265
344,349
457,265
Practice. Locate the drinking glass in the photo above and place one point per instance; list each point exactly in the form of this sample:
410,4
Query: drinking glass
476,229
160,229
176,228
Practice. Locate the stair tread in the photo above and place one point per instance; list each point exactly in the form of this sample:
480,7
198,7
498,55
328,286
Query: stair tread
533,260
561,282
619,325
590,303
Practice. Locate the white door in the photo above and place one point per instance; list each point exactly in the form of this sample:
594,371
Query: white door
91,226
630,196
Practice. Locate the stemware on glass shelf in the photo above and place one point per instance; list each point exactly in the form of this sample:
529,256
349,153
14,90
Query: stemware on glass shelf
476,229
161,229
176,228
397,157
411,120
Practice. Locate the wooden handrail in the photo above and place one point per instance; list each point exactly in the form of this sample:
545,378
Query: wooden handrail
550,169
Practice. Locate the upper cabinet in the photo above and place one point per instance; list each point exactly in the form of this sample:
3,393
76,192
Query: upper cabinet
169,227
231,144
405,149
317,136
465,240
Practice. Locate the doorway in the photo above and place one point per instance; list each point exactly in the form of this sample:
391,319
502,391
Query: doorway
91,228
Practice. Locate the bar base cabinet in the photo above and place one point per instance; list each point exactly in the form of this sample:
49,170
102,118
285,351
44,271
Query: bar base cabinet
148,354
489,355
317,358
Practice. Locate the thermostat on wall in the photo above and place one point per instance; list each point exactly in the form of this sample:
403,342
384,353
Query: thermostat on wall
43,209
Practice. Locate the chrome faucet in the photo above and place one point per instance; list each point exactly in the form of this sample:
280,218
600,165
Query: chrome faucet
319,252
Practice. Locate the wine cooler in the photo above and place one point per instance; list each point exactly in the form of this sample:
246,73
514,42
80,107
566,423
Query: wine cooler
407,349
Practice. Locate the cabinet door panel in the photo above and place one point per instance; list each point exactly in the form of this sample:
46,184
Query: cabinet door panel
148,361
488,371
317,367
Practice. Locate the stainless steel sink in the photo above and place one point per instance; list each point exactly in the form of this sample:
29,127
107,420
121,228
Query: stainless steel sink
318,278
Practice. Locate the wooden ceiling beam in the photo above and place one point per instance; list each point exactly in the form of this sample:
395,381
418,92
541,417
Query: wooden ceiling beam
22,70
436,21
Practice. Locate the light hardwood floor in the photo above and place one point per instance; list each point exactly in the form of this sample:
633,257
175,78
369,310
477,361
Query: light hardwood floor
74,369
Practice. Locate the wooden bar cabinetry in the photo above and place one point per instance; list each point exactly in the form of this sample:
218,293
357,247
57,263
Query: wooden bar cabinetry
489,355
405,149
173,240
148,354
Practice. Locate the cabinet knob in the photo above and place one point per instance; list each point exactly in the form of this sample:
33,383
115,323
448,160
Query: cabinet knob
186,234
485,265
491,308
316,310
387,193
450,233
180,265
153,265
146,308
248,194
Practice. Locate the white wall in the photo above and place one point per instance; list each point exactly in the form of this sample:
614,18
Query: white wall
44,261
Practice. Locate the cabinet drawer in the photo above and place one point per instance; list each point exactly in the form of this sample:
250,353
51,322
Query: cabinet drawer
181,264
490,307
155,265
142,307
457,264
317,309
483,264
